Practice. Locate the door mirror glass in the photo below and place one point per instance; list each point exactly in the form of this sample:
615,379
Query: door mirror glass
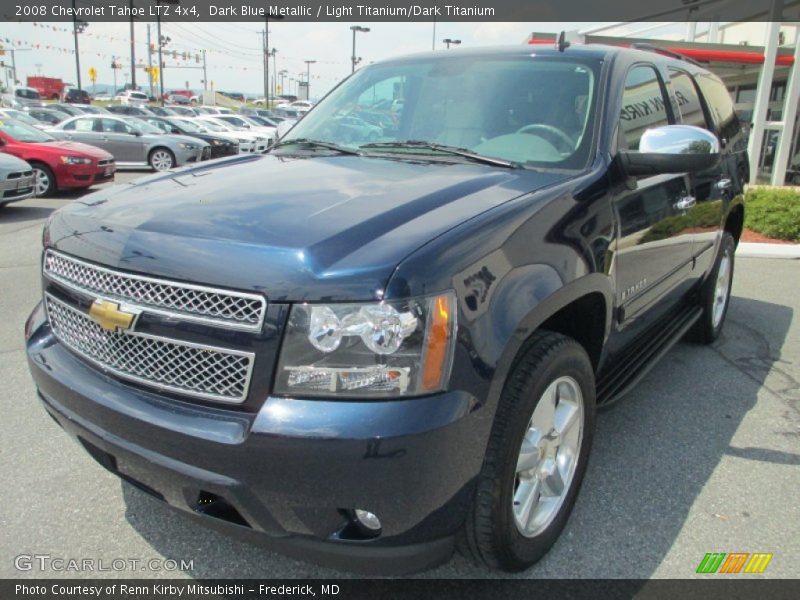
672,149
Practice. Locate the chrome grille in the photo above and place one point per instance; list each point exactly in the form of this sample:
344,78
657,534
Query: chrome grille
235,310
192,369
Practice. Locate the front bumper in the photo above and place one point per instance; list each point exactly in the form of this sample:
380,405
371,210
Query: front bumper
12,190
82,176
287,475
185,156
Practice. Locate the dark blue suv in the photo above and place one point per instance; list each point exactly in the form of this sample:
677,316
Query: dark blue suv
390,334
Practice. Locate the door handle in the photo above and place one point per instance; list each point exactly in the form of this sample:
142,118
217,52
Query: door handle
685,203
724,184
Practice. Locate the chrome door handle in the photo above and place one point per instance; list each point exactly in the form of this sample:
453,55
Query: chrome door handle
685,203
724,184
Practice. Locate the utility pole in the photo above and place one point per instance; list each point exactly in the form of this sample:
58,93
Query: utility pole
77,52
205,72
274,72
433,46
160,60
133,50
150,60
14,65
265,62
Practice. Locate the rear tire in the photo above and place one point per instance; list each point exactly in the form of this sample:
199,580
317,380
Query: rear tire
716,293
539,444
44,182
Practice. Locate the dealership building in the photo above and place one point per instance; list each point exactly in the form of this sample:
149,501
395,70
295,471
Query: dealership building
758,61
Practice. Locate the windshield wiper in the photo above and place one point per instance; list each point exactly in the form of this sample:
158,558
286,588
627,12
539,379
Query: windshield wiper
316,143
453,150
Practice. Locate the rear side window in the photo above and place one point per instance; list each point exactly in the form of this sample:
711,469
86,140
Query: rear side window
643,105
720,104
83,125
687,99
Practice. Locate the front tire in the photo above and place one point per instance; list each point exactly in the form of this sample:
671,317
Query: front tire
716,293
536,457
44,182
161,159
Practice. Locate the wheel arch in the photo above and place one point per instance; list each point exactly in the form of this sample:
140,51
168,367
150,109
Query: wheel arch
581,310
734,221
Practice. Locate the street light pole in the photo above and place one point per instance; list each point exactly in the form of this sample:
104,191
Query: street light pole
355,29
448,41
308,78
133,50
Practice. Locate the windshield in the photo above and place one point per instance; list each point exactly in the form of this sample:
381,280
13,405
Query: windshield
209,125
186,124
21,116
28,93
22,132
223,125
535,111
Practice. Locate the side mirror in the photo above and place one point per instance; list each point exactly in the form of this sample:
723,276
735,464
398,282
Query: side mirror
672,149
136,133
175,130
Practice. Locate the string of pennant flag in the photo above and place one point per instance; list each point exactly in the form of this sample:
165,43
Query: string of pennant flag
185,54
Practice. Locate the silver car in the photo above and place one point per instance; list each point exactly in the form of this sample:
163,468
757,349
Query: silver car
16,179
133,142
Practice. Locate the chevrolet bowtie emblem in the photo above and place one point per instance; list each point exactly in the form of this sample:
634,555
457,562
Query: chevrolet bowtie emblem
110,317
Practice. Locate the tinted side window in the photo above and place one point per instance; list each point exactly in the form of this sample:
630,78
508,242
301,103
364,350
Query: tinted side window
720,105
114,126
643,105
688,100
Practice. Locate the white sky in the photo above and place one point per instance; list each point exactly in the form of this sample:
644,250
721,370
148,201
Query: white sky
234,49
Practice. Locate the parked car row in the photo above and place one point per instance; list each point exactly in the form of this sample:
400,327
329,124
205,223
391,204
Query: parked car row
68,145
49,164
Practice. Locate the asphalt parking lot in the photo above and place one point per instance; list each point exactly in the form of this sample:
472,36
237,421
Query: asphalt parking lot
703,456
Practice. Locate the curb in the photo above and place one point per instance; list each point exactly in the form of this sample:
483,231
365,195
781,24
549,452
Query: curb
753,250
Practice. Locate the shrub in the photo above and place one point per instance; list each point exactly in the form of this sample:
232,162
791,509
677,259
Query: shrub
773,212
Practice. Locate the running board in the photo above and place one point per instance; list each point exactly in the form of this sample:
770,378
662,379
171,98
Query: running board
644,355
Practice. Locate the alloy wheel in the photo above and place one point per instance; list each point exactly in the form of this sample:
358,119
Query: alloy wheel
161,160
41,182
721,288
548,456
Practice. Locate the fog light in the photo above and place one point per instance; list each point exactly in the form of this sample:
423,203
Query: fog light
367,522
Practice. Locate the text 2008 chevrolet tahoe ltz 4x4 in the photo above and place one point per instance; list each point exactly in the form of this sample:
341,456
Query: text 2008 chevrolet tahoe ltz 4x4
390,334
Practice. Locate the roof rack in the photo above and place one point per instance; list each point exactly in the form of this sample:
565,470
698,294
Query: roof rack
663,51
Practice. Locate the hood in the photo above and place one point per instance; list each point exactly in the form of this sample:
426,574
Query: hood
60,147
12,163
321,228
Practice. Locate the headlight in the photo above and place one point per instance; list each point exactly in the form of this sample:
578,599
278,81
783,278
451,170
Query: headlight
375,350
76,160
215,142
187,146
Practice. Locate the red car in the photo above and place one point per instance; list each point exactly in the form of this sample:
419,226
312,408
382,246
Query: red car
57,165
